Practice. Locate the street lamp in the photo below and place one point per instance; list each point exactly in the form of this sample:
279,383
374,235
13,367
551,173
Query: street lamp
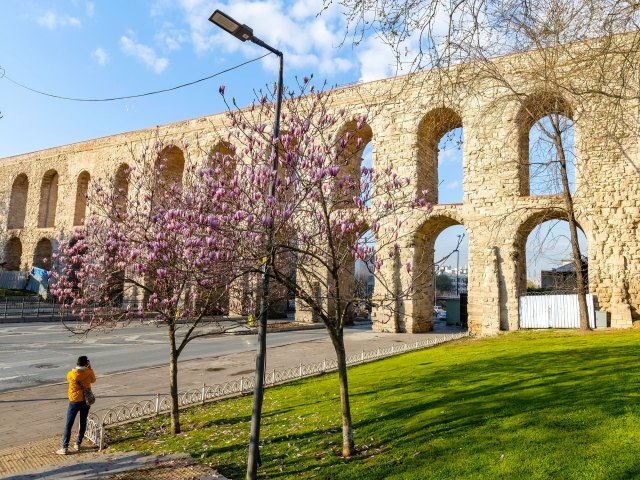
244,33
458,266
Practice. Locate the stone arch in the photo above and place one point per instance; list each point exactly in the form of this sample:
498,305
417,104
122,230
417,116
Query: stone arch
13,254
18,202
221,152
48,199
431,129
522,234
171,165
121,188
352,139
423,269
532,109
82,189
42,254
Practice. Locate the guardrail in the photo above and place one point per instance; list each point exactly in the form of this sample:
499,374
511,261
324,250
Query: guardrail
22,307
97,422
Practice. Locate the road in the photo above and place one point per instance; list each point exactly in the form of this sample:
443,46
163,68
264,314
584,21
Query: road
26,348
34,354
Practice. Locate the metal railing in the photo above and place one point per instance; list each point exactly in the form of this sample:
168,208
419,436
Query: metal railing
28,307
102,419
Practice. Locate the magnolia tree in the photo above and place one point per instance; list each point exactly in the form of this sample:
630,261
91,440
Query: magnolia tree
156,246
325,210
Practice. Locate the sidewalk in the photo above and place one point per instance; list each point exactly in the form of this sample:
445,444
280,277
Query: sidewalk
28,416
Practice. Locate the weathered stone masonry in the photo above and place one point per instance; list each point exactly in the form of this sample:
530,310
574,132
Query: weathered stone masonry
42,192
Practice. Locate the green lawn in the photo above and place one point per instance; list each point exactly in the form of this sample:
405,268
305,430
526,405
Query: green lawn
527,405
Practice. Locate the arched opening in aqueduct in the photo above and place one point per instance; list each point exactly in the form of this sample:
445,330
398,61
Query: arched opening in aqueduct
42,254
170,162
121,189
548,247
439,156
18,202
543,239
13,254
82,189
48,199
546,132
426,266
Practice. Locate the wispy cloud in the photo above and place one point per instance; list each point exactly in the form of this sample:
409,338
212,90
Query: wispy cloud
376,60
143,53
90,9
171,38
100,55
308,41
52,21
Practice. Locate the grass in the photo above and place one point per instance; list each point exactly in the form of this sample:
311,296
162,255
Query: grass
526,405
5,292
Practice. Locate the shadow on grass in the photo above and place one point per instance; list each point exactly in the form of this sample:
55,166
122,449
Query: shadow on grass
529,407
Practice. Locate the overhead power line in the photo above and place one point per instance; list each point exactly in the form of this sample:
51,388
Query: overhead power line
61,97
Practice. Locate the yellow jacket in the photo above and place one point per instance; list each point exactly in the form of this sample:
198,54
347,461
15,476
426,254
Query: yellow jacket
85,376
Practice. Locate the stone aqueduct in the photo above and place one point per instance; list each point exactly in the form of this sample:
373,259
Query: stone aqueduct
43,192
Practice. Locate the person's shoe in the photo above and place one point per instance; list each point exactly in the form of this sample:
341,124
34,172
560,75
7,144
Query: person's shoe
63,451
76,447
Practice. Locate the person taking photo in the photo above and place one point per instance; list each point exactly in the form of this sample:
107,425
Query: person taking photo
80,379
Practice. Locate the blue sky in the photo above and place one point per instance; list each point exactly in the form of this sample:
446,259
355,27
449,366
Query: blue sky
96,49
109,48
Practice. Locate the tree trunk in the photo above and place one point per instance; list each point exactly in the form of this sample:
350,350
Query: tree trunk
573,225
348,448
173,381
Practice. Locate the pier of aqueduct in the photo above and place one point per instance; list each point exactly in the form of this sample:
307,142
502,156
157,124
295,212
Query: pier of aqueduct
43,193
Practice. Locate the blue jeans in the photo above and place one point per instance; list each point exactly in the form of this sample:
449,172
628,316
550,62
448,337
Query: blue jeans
73,410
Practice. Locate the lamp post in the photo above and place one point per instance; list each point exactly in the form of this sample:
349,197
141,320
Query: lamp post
457,250
244,33
458,266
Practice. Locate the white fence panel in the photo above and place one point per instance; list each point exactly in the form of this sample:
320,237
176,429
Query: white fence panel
553,311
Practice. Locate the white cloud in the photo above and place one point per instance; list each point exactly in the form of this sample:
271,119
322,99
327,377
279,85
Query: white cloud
52,21
307,40
452,185
100,55
90,9
449,153
377,60
143,53
171,38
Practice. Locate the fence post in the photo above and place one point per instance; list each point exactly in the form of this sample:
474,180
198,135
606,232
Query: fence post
273,377
324,365
241,384
22,309
300,371
157,403
362,357
203,391
101,442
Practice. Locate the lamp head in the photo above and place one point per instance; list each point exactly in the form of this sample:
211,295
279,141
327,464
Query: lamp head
235,28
